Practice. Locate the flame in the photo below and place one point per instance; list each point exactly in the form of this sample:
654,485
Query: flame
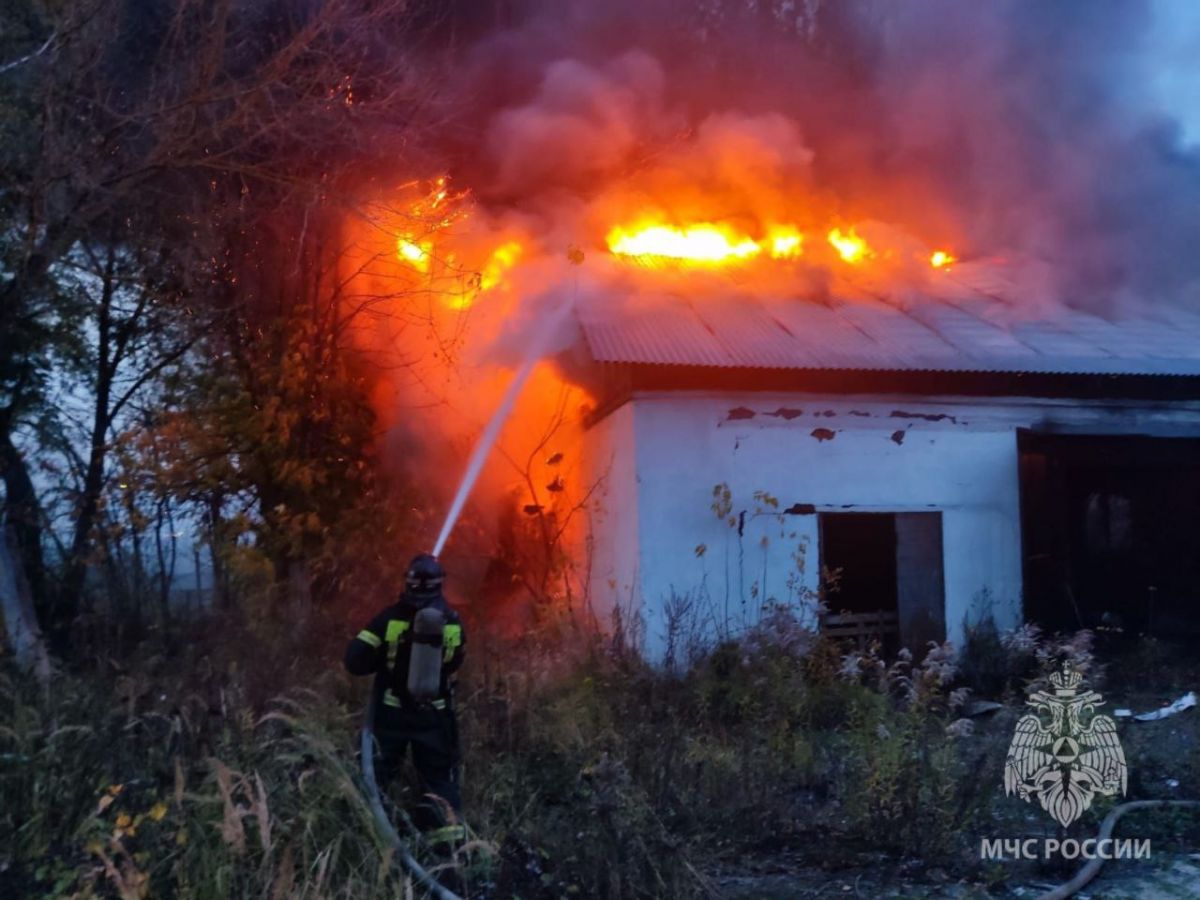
491,276
416,255
427,243
785,242
704,244
503,258
849,245
444,254
434,211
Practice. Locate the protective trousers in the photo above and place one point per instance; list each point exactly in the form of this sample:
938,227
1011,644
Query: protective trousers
433,736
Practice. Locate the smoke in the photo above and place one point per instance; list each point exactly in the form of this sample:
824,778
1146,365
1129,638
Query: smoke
1041,118
583,123
1014,131
1022,136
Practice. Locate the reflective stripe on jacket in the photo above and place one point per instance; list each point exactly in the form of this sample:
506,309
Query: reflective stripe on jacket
386,643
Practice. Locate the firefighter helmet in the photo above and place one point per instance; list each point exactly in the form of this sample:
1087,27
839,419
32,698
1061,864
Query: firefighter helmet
424,576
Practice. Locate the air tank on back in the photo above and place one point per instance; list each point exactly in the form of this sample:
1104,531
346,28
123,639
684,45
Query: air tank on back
425,662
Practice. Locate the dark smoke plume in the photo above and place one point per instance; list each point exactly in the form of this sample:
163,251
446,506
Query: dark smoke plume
1023,132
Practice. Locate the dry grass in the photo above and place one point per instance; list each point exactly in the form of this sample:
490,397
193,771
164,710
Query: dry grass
221,766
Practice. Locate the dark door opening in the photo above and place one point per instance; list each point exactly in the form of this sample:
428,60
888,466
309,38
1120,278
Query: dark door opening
883,577
1109,532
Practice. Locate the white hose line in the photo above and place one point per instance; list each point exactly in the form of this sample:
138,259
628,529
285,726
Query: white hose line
1092,868
407,861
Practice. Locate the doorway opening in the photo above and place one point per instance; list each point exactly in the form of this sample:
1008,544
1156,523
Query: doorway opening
883,578
1109,532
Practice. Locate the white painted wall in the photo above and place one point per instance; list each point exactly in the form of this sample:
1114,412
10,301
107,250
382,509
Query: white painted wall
611,556
659,536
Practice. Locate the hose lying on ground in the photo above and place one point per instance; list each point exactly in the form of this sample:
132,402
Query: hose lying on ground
407,861
1089,871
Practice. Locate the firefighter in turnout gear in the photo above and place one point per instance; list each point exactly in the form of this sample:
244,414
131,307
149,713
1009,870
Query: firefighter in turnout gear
414,647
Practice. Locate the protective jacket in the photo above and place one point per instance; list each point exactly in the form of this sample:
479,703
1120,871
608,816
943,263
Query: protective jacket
385,645
430,728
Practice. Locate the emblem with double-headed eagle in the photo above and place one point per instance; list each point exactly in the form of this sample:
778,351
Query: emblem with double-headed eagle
1061,759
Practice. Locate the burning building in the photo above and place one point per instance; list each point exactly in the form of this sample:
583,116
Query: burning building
883,313
888,454
916,469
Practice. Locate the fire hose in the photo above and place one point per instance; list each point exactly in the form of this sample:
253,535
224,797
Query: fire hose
1092,868
407,861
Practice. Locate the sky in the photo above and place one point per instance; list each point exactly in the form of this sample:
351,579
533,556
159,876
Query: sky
1174,65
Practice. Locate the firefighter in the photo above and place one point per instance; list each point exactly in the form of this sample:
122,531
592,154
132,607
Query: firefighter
396,646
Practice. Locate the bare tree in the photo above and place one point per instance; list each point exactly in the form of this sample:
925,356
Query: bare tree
210,127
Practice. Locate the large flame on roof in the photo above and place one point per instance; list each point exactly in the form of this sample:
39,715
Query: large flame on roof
705,243
849,245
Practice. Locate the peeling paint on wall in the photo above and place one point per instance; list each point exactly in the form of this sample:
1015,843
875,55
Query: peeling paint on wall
670,448
800,509
928,417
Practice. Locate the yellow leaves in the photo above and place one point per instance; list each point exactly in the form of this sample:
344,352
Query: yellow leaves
120,867
126,826
109,797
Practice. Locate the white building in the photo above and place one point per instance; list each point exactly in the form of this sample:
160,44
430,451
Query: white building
947,464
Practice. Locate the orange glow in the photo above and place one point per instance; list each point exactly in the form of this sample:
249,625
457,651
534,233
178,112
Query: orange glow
724,212
451,277
503,258
849,245
786,242
426,219
704,244
416,255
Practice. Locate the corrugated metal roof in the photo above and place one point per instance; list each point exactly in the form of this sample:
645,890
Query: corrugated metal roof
971,334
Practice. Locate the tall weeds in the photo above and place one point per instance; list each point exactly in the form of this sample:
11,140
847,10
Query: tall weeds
226,767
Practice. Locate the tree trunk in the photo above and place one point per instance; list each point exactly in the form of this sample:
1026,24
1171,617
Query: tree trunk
67,607
71,592
16,608
299,589
221,598
24,514
165,572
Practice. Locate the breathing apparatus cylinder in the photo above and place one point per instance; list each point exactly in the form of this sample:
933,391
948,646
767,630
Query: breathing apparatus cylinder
425,661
